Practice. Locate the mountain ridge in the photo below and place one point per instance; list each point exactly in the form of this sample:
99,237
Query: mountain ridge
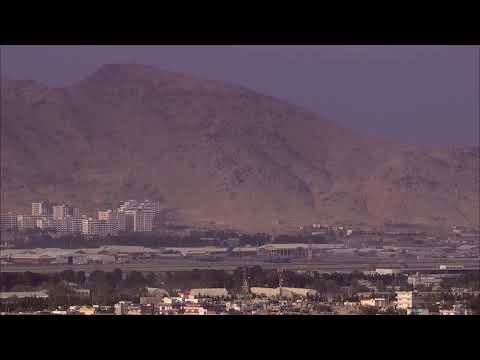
219,152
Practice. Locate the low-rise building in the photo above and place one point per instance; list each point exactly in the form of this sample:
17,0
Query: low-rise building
283,292
407,300
193,309
43,294
26,222
82,310
418,311
429,281
375,302
121,308
61,212
30,259
157,292
385,271
457,309
209,292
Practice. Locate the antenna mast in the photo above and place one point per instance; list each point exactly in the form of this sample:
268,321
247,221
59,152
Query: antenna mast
245,287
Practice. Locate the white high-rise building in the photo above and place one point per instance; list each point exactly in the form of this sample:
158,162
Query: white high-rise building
41,208
87,226
117,219
140,215
143,220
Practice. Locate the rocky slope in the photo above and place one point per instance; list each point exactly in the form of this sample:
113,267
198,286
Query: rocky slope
217,152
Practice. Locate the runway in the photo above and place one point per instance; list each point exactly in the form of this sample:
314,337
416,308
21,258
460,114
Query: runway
345,265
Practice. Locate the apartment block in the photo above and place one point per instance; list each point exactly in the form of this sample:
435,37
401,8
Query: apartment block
104,215
117,220
42,208
25,222
60,212
8,221
407,300
69,224
45,222
143,221
87,226
154,206
140,215
103,227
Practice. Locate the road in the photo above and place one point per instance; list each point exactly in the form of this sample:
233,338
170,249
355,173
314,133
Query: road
338,265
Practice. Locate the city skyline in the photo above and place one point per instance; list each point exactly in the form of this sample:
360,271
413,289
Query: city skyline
262,180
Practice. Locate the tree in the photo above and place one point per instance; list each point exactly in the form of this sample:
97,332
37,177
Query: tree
68,275
117,275
135,279
151,279
97,277
80,278
368,310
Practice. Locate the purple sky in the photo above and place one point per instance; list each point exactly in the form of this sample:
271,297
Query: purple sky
414,94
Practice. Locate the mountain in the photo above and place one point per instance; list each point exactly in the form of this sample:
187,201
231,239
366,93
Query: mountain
220,152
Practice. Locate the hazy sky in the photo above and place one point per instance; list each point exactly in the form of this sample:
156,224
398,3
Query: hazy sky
415,94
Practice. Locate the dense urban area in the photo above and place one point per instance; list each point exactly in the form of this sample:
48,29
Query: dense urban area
130,261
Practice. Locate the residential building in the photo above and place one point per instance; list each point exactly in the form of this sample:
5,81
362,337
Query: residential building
418,312
156,292
45,222
194,309
75,224
60,212
104,215
140,215
457,309
144,205
25,222
115,220
30,259
143,220
59,312
129,220
387,271
407,300
75,212
24,294
41,208
209,292
377,302
121,308
283,292
416,280
87,226
8,221
86,310
296,292
102,227
97,227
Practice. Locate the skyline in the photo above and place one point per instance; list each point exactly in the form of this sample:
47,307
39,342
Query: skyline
435,84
